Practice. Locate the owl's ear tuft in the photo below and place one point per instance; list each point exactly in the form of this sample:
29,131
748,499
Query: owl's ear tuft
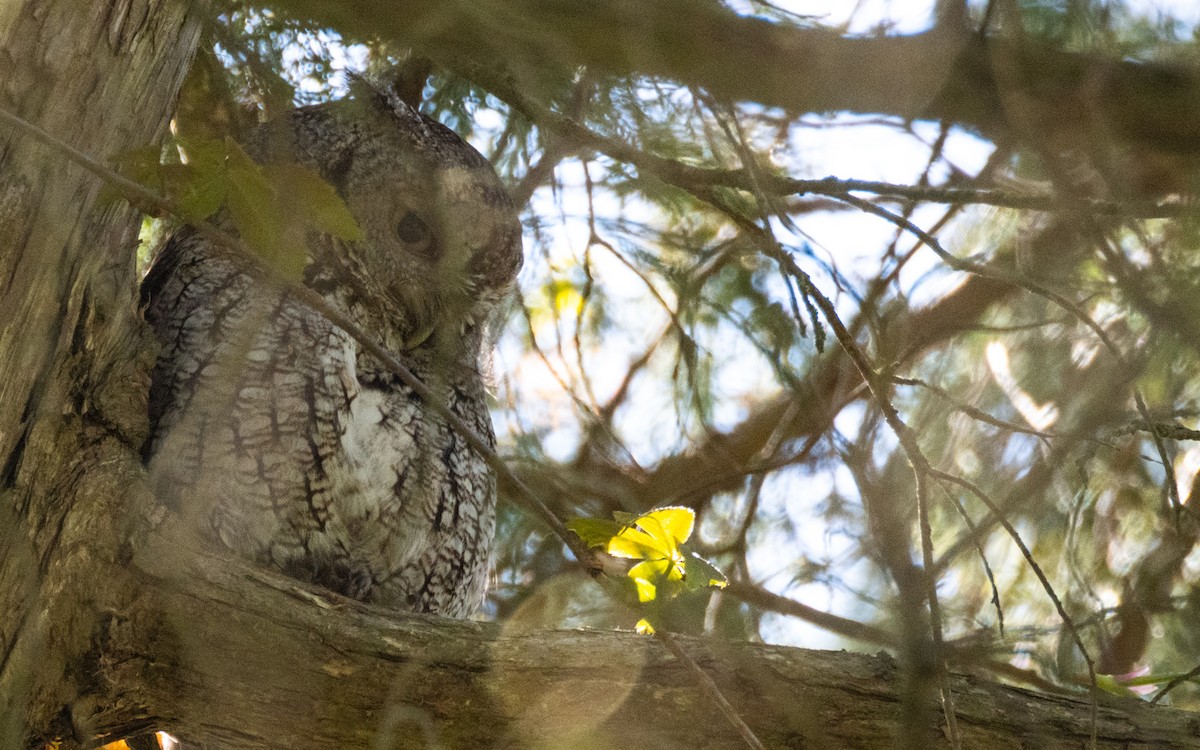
406,84
384,101
409,81
368,90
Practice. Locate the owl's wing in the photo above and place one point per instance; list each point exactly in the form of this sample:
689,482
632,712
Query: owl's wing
248,401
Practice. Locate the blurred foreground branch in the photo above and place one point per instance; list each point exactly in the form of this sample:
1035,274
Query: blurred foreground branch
1076,99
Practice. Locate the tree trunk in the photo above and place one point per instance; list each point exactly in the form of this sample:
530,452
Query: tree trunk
101,76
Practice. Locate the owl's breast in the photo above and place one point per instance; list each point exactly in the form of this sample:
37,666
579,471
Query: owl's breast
411,504
376,497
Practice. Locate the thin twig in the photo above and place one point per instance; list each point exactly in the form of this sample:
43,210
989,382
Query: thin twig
845,627
688,176
973,411
710,686
987,567
966,266
877,386
1068,622
1162,429
1176,682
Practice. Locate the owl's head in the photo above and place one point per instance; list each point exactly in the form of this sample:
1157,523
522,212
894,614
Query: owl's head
442,240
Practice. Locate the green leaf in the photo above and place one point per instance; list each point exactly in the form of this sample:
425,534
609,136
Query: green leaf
702,574
207,155
252,204
623,518
141,164
314,200
595,532
273,207
1109,684
197,193
1152,679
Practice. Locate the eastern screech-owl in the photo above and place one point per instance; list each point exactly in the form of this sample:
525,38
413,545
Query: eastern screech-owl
277,434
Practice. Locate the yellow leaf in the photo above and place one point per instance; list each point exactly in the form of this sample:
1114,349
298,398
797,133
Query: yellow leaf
655,535
644,627
564,297
656,539
676,522
644,574
646,590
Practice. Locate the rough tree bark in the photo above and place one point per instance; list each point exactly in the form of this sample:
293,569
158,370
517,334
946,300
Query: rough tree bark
269,662
103,77
110,624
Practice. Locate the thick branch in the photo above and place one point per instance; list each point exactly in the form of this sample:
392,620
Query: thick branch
945,75
237,657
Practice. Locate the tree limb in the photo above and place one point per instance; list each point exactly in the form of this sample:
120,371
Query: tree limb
223,653
947,74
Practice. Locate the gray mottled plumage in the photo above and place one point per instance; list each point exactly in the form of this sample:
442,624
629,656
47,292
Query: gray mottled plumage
272,430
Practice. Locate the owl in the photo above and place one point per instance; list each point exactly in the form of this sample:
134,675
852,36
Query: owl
275,434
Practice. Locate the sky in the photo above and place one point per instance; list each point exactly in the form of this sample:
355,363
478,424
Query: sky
912,16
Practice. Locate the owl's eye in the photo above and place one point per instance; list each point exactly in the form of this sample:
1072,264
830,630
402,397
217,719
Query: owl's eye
412,231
